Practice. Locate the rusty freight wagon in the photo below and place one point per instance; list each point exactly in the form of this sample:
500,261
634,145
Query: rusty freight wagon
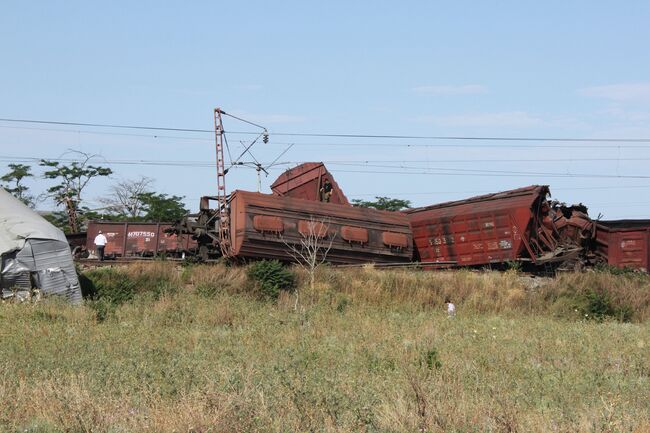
263,225
517,225
624,243
129,239
306,181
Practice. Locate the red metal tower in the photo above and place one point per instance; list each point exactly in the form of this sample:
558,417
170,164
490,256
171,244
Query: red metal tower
222,197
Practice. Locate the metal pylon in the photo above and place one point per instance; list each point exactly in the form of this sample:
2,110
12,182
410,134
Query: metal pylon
222,197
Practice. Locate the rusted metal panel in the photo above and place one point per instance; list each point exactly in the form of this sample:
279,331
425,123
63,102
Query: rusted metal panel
480,230
297,216
624,243
306,181
397,240
512,225
271,224
141,239
138,239
354,234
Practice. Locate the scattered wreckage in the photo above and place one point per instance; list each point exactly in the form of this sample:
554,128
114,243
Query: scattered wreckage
518,226
521,225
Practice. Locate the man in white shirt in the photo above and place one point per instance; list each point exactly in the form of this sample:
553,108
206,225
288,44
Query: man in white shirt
100,243
451,308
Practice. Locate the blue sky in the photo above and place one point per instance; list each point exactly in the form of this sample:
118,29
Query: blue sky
509,69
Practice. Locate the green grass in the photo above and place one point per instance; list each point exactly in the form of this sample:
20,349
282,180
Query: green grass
366,351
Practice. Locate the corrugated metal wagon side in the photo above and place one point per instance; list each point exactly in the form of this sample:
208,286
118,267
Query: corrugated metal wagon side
516,225
487,229
624,243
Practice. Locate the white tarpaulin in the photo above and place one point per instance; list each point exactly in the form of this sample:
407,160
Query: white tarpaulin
34,253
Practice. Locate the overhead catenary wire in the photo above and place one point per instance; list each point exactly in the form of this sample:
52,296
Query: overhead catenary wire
435,171
396,163
334,135
409,193
490,146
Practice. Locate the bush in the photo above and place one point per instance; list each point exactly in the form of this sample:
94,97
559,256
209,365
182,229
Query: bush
613,270
598,305
107,289
270,277
111,286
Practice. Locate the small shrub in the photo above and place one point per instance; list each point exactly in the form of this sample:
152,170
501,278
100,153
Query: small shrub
112,286
613,270
270,278
598,305
107,289
431,359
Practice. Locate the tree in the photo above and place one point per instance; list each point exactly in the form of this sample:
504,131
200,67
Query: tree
72,180
15,176
383,203
312,249
125,197
160,207
58,219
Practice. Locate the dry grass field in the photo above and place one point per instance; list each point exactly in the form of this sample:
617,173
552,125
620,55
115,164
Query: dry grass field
197,349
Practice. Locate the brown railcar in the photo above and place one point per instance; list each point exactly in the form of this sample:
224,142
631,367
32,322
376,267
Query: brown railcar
266,226
129,239
624,243
517,225
305,182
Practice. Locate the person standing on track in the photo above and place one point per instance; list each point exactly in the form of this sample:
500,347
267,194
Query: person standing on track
100,244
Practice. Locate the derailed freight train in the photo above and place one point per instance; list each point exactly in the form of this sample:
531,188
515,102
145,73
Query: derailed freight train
520,225
276,227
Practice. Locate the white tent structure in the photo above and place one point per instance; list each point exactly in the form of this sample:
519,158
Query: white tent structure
35,254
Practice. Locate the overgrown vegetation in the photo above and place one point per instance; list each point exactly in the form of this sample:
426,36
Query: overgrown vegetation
373,351
108,288
270,277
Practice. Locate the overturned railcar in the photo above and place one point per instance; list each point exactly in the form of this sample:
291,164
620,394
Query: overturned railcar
624,243
306,181
272,227
518,225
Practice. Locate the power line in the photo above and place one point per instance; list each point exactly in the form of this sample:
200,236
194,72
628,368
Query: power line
352,162
106,125
330,144
431,171
595,188
501,174
304,134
